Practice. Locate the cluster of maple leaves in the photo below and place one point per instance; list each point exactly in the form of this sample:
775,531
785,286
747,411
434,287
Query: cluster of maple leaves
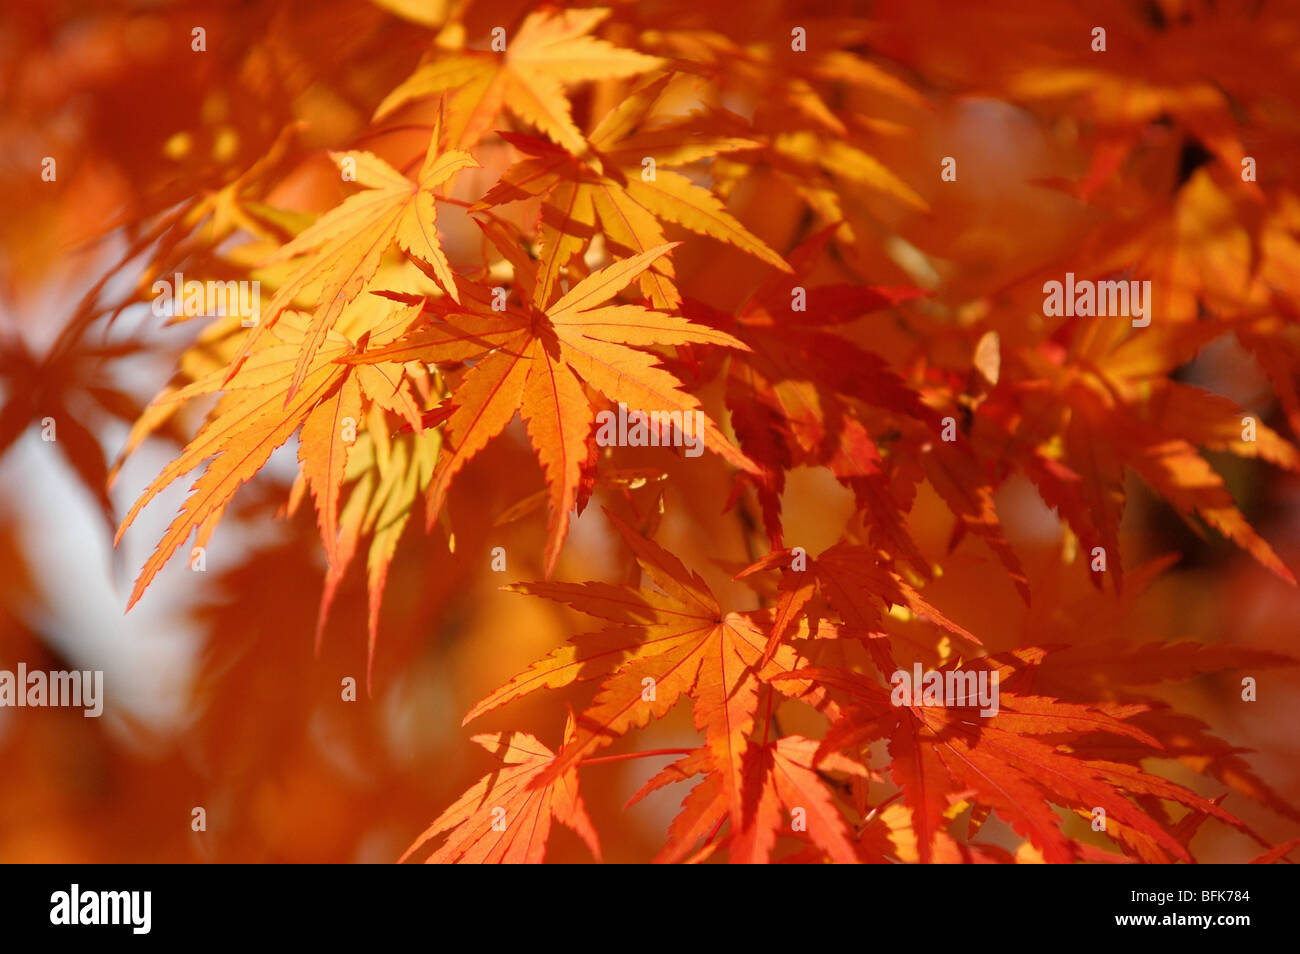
587,149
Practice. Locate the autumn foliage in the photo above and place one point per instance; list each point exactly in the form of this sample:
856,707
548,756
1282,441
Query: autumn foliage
824,232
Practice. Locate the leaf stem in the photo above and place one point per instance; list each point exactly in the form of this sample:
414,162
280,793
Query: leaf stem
634,755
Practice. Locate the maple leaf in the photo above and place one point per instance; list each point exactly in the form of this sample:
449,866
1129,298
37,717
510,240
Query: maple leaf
853,583
802,392
504,818
679,644
393,473
633,191
1109,431
535,363
932,748
956,476
341,251
239,437
323,453
548,51
258,412
787,775
803,133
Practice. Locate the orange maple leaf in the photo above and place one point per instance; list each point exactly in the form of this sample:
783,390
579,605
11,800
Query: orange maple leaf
535,363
